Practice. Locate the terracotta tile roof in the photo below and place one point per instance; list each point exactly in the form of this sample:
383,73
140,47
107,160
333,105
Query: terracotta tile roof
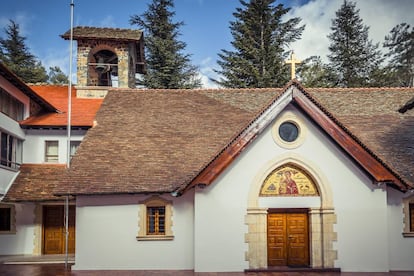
371,114
160,140
36,182
18,83
84,32
83,110
156,140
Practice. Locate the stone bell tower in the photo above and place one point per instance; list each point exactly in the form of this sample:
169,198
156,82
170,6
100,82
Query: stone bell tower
107,57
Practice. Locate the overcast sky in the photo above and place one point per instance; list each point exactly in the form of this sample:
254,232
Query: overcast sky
206,29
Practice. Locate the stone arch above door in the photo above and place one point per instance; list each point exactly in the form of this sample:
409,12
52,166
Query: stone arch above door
289,180
323,187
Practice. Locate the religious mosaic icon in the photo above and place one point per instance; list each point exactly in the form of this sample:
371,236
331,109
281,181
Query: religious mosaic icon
288,180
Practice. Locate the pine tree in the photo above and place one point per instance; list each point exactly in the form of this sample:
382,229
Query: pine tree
400,44
56,76
16,56
353,56
260,38
312,72
167,65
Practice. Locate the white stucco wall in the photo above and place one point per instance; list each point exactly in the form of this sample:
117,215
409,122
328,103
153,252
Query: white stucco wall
22,241
7,174
360,207
401,249
219,225
34,145
106,231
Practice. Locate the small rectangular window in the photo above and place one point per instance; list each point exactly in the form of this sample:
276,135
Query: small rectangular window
5,219
52,152
11,106
4,142
10,151
411,217
74,147
156,220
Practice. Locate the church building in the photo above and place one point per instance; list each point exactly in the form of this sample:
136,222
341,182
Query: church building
223,180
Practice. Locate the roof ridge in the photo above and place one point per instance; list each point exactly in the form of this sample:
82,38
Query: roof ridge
152,90
346,89
47,84
43,165
106,28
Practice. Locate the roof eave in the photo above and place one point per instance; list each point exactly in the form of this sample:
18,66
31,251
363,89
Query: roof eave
74,194
30,126
364,157
368,161
17,82
221,161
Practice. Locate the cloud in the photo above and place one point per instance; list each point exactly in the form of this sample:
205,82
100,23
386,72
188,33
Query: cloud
61,59
108,22
207,73
380,15
23,19
57,58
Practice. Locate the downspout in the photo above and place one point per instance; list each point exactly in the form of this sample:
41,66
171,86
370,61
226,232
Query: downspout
72,5
66,231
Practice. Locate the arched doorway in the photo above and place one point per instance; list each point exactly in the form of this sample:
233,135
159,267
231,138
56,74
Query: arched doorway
276,208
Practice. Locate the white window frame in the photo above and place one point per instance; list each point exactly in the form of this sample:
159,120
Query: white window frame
12,159
49,158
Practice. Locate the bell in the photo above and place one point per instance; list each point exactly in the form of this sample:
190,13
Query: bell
101,67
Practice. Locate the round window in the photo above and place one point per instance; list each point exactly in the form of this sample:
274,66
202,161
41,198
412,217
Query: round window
288,131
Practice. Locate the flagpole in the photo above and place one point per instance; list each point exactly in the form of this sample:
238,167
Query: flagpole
66,216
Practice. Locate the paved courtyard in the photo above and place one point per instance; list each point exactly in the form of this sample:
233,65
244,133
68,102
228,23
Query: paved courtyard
53,265
59,270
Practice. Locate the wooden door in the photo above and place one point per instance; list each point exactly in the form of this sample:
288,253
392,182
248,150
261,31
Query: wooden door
287,239
54,229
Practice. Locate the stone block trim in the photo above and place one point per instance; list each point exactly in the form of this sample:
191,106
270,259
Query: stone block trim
38,220
90,92
256,238
322,253
407,232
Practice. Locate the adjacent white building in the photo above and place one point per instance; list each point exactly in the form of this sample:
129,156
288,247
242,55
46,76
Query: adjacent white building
205,180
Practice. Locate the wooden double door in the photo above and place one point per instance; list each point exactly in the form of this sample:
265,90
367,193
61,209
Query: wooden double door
288,238
54,229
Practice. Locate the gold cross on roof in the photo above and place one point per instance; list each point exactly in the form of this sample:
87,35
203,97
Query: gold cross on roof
293,61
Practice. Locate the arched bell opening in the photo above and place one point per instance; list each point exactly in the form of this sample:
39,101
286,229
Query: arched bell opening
103,69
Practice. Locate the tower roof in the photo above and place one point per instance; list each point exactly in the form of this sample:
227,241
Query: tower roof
83,32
